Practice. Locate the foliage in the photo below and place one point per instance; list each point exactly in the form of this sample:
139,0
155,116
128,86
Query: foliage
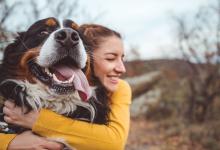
199,44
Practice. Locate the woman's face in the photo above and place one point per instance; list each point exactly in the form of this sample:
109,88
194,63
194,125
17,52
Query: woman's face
108,62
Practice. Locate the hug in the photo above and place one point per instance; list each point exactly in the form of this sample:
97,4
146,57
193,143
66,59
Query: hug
62,88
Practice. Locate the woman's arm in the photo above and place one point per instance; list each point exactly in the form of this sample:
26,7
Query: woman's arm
79,134
26,141
5,140
83,135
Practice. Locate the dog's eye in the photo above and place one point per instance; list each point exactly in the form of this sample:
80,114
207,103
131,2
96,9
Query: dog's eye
44,32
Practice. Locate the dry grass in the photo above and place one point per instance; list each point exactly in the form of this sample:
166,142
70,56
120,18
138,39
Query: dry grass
173,134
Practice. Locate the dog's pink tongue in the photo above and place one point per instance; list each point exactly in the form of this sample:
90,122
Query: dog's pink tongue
82,85
80,81
63,72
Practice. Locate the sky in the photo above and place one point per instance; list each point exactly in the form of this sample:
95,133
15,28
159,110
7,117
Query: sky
146,25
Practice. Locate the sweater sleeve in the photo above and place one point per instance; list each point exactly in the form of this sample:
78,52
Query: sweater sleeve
5,139
83,135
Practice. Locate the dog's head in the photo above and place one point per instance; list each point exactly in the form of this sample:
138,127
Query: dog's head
50,53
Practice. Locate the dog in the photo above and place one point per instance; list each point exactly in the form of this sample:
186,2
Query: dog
47,67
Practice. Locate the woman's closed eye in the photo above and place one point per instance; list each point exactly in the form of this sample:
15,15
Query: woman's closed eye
110,58
114,57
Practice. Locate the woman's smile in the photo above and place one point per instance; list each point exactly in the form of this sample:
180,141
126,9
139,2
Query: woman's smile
108,62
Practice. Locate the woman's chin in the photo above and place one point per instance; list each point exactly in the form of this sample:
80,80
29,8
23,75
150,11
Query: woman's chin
111,87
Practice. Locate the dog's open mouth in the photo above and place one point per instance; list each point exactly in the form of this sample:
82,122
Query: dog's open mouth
63,77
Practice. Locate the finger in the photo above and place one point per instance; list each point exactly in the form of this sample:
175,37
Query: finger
13,113
42,149
54,145
7,111
8,119
28,132
9,104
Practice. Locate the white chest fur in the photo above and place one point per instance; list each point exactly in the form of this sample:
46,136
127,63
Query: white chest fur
39,96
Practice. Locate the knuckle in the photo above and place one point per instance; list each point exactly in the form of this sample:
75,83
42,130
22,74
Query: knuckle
13,118
36,147
59,146
4,110
8,103
7,119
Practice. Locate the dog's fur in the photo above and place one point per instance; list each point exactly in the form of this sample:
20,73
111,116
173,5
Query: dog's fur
26,76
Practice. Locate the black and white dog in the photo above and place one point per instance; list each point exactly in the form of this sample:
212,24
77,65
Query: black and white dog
43,67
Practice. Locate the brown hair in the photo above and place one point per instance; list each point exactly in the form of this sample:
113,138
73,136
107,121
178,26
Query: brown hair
94,34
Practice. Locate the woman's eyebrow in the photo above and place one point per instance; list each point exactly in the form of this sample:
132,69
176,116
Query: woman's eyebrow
115,54
110,53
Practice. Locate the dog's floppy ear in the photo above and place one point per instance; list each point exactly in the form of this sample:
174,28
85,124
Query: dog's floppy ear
13,50
21,35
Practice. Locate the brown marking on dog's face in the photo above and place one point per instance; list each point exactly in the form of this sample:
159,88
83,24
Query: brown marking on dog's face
29,55
74,26
51,22
70,24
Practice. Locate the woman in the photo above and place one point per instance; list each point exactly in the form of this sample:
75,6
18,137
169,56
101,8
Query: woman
107,52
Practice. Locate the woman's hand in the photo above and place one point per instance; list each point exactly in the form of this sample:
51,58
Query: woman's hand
15,115
29,141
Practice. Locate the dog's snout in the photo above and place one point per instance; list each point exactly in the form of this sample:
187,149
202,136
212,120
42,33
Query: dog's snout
74,36
67,37
61,35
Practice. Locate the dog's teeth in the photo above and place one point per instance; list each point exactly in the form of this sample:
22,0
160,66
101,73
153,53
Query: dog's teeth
65,82
55,78
71,79
48,72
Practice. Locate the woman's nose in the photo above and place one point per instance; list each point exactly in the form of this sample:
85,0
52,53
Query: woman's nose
120,67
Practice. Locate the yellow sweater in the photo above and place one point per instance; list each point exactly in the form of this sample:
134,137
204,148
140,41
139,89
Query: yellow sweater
83,135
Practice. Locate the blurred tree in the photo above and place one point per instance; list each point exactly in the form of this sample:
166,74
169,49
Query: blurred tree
134,52
32,10
5,12
199,42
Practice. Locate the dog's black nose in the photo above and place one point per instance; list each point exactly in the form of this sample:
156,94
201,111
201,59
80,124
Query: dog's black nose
67,37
